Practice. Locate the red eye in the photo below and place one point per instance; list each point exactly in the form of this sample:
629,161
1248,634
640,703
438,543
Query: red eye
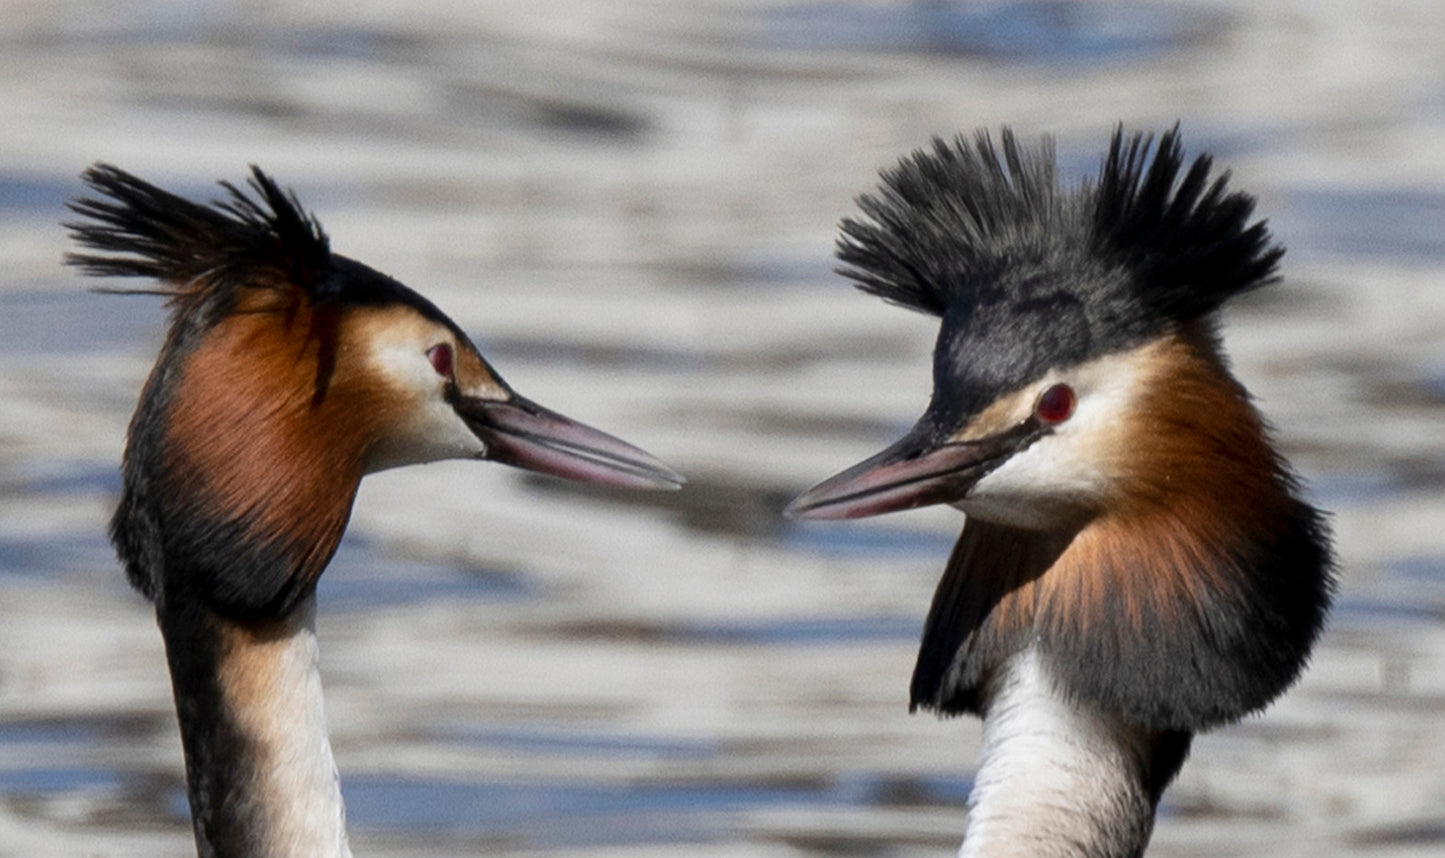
1057,404
440,356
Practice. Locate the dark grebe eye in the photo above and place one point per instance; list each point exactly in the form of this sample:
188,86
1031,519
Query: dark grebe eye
440,356
1056,404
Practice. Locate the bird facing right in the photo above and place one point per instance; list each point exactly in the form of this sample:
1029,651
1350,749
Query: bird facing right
1136,563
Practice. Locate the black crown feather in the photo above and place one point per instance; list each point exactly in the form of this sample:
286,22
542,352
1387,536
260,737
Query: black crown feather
144,231
948,217
1188,242
960,222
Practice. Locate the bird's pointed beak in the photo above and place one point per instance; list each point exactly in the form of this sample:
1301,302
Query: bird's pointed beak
522,433
916,471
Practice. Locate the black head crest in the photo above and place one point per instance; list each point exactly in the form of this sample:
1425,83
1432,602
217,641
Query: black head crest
261,238
948,220
967,230
1187,243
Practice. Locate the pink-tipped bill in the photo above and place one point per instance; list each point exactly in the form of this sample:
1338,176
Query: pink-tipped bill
521,433
912,473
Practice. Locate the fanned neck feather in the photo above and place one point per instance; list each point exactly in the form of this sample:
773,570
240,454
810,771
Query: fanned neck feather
245,450
252,468
1191,600
1093,655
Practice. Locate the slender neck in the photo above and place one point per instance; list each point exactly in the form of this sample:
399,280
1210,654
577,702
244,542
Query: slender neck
261,779
1060,779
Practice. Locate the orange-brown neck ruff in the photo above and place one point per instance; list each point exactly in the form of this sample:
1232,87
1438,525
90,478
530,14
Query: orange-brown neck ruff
1193,599
263,441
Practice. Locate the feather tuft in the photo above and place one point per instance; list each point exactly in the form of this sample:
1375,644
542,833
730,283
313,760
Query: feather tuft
260,238
969,224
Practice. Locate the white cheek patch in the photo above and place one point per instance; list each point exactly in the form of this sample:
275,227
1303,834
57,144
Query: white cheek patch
428,433
1073,466
405,366
427,427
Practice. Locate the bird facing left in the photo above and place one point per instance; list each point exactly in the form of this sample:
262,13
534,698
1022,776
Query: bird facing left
287,374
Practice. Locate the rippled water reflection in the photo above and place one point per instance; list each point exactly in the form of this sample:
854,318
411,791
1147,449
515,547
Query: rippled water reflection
632,208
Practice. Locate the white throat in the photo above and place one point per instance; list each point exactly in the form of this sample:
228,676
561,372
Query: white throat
1057,779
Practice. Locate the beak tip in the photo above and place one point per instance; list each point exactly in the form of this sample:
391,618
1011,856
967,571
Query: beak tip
669,480
657,475
805,508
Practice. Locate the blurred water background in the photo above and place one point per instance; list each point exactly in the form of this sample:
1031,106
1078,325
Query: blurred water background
631,206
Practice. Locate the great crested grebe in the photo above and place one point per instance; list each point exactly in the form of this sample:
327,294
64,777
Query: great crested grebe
288,373
1136,564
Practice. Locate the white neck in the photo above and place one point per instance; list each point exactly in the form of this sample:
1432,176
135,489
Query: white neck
1058,779
287,721
263,781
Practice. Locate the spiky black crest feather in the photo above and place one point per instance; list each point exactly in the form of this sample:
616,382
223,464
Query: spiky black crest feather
143,231
964,223
1187,241
949,219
